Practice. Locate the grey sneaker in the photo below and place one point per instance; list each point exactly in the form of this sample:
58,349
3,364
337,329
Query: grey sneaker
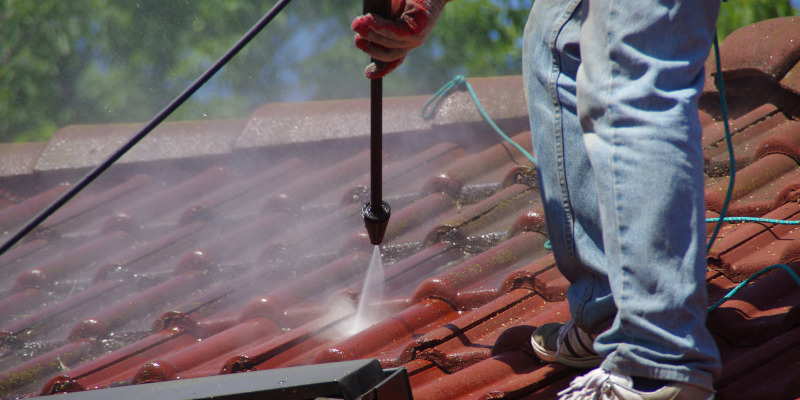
565,344
599,384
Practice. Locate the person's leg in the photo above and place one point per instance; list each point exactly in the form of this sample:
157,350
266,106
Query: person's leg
551,57
638,84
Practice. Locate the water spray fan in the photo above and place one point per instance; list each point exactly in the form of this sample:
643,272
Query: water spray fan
376,212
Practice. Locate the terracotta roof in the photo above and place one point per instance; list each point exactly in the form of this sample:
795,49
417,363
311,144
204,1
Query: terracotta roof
219,247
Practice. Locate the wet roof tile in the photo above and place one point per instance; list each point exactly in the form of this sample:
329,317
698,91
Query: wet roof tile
783,373
25,209
220,247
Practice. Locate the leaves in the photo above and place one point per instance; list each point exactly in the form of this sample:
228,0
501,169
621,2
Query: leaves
735,14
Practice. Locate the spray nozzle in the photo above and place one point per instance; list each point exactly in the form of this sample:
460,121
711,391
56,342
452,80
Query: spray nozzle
375,220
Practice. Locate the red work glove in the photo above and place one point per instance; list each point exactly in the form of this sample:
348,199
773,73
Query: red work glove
389,40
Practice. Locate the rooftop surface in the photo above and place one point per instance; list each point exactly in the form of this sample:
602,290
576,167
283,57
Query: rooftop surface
220,247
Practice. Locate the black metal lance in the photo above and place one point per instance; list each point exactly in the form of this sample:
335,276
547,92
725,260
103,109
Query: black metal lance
376,212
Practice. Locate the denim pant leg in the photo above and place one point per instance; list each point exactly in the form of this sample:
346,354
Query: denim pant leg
551,57
625,200
641,74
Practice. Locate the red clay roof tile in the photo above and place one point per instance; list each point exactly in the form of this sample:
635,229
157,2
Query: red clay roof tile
14,216
769,47
756,188
791,80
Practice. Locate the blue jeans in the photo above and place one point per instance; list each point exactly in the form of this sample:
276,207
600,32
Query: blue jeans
612,88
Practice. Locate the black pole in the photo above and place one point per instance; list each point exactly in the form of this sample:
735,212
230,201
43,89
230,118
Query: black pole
376,212
376,140
160,117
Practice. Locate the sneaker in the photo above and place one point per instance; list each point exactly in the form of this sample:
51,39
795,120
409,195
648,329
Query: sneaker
599,384
565,344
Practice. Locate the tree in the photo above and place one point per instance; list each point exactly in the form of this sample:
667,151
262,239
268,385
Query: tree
472,38
738,13
101,61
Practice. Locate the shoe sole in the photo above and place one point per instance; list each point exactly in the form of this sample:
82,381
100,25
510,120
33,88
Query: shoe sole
550,356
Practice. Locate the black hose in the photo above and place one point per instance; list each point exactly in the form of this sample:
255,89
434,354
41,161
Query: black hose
160,117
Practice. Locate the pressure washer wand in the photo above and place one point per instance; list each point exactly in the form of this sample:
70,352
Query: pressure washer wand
376,212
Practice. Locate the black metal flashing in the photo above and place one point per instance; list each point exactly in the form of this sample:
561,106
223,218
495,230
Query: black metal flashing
349,380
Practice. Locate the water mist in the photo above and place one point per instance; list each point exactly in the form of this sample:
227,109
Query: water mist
371,291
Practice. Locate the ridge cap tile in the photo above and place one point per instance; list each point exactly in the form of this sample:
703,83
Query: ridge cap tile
769,48
20,158
83,145
279,124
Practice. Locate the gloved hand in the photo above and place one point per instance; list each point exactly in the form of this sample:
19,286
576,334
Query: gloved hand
389,40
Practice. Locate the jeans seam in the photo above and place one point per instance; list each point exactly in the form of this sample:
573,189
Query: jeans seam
558,134
558,131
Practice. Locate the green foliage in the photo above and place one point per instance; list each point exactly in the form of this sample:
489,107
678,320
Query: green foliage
98,61
37,71
472,38
735,14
